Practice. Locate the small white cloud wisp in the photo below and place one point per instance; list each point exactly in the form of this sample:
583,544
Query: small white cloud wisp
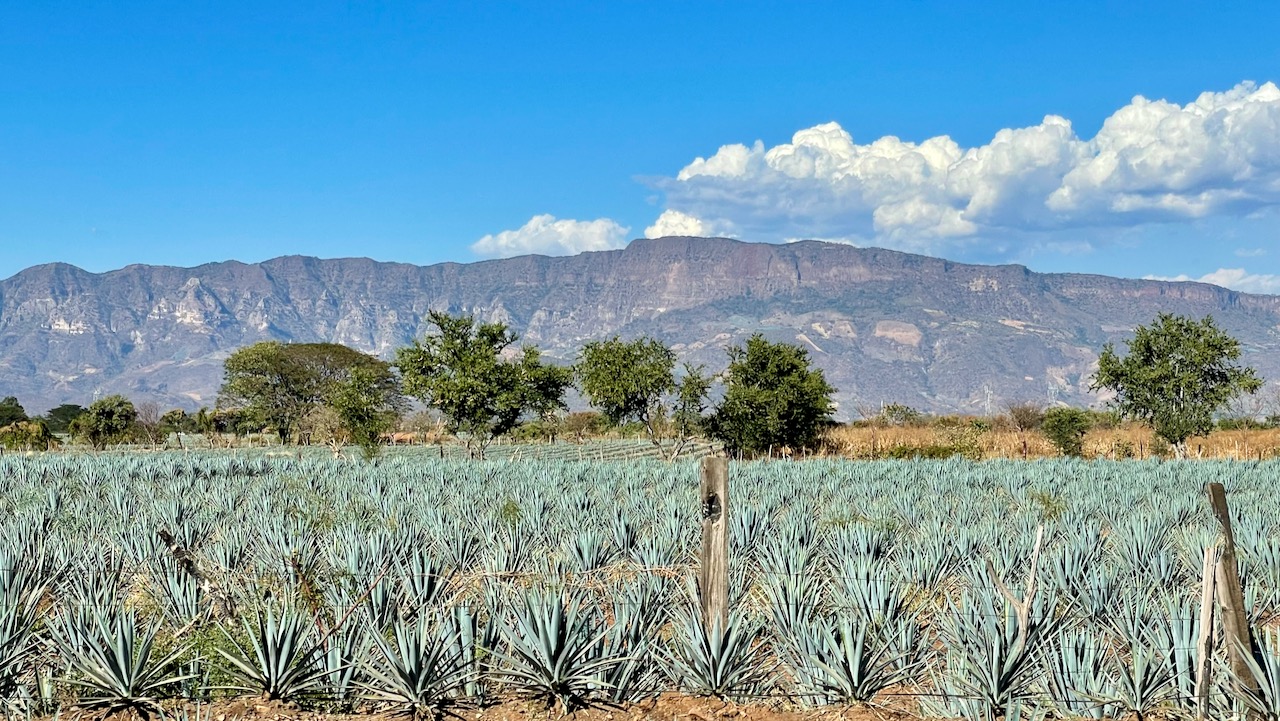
1152,161
546,235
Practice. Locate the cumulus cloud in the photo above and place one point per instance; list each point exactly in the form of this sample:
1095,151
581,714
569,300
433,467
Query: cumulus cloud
1235,279
1152,161
675,223
546,235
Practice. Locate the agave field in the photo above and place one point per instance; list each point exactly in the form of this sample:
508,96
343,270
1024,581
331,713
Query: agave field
415,583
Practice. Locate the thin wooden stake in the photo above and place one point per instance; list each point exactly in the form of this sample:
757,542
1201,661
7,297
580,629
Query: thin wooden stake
1021,607
1204,644
713,577
1235,622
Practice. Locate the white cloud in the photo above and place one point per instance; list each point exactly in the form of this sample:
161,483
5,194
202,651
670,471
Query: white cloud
674,223
1152,161
1235,279
545,235
1251,252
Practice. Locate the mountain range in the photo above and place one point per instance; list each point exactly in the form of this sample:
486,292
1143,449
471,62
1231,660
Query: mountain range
886,327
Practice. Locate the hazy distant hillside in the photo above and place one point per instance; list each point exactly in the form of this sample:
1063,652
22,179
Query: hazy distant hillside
886,326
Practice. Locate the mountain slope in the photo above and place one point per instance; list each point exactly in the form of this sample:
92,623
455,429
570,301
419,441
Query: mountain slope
886,326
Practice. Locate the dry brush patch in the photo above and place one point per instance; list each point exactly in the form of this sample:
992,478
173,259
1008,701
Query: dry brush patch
1124,442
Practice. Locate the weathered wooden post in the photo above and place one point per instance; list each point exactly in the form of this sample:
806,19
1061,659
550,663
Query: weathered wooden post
1235,621
713,576
1204,644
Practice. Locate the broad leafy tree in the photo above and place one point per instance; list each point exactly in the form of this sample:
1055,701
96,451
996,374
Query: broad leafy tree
107,421
31,435
363,409
1178,372
277,384
178,420
773,399
59,419
481,385
11,411
636,381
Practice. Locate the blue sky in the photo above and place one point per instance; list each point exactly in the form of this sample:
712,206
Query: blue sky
197,132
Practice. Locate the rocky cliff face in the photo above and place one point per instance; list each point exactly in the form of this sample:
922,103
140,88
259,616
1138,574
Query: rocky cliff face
885,326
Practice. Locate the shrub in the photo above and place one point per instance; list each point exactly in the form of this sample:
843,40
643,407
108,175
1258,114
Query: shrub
933,451
1065,428
28,436
1025,416
1242,424
898,414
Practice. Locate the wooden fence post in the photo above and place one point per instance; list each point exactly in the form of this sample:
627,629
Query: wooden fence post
1204,644
1235,621
713,576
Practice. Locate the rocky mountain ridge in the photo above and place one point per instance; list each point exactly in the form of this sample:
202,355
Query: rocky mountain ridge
886,326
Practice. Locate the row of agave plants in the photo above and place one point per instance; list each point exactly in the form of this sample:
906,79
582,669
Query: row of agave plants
423,583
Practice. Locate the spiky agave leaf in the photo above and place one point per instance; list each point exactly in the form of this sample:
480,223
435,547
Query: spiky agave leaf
282,662
476,640
342,653
1076,674
1264,671
110,658
17,642
988,659
790,581
553,651
422,671
1140,680
1177,635
842,660
177,592
423,580
726,662
638,616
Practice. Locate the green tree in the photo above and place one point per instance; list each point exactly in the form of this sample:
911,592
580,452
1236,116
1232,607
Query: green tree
461,371
627,380
277,384
11,411
59,419
1177,374
688,412
31,435
1065,429
773,399
108,420
636,381
365,410
177,420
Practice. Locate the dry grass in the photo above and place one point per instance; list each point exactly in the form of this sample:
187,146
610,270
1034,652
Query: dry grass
1128,441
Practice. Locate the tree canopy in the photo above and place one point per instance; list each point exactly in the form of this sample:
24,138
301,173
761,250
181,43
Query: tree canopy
11,411
361,406
627,380
277,384
467,372
1178,372
773,399
108,420
30,435
59,419
636,381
